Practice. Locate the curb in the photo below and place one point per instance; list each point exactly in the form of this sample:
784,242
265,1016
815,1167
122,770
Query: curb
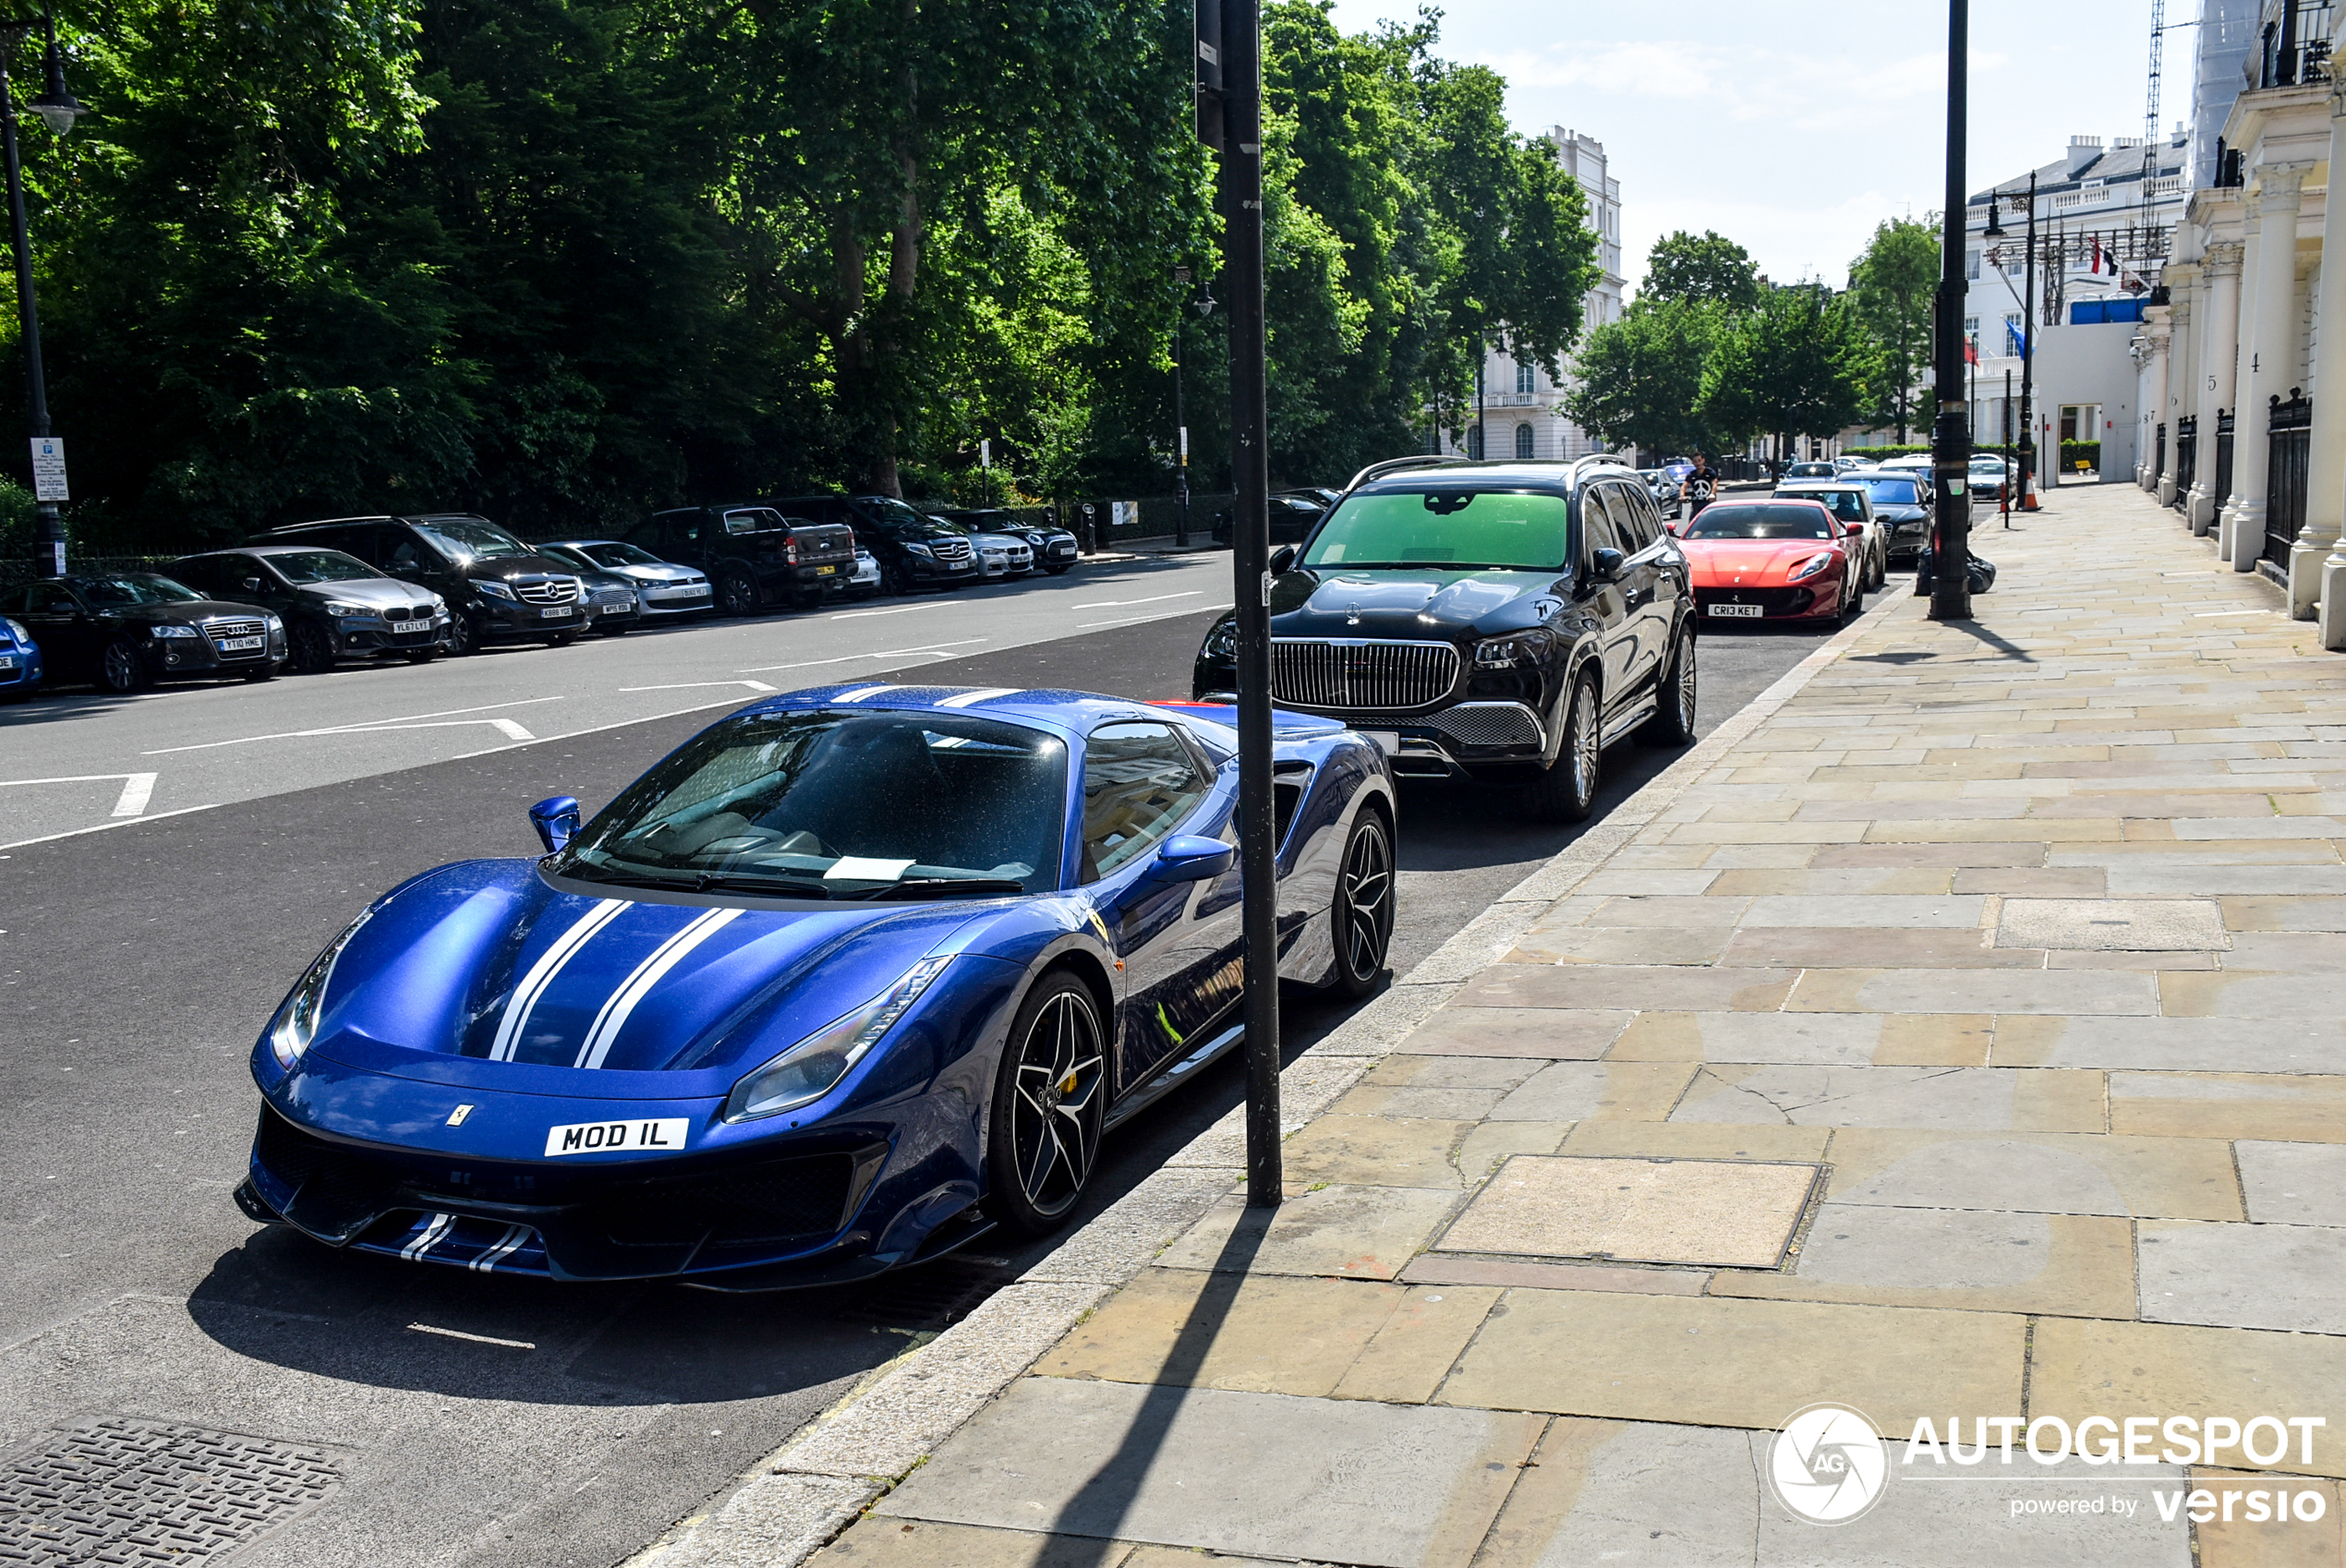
799,1499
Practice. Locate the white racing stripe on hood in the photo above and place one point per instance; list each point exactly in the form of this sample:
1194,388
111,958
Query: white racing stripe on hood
622,1003
969,699
867,691
542,975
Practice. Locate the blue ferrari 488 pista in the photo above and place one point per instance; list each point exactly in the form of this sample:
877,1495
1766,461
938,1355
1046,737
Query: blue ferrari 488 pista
848,977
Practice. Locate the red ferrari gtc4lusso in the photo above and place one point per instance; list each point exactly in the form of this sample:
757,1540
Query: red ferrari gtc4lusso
1774,560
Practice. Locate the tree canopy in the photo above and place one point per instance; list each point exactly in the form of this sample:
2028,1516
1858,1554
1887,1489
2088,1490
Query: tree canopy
1891,289
1707,267
565,261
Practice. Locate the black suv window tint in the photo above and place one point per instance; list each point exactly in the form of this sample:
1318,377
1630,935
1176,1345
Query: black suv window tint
48,600
1628,519
1596,524
1139,783
404,554
1459,530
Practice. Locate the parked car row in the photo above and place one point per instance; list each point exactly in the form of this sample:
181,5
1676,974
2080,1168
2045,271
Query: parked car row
309,595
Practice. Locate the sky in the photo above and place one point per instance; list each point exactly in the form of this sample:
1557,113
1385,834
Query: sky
1795,128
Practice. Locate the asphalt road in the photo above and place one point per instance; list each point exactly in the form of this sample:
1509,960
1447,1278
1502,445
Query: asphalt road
475,1420
78,759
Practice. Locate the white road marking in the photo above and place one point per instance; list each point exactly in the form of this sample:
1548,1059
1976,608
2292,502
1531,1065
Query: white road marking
935,649
476,1338
361,727
1161,615
136,790
692,685
101,827
859,614
1154,598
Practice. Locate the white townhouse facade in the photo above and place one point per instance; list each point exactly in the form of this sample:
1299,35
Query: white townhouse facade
2238,358
1520,403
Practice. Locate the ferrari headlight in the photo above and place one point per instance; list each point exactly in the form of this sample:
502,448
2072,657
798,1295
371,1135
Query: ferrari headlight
1809,567
808,1071
296,1022
1222,642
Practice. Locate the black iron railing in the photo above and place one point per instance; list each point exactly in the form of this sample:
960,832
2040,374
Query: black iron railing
2289,438
2158,456
2223,486
2186,457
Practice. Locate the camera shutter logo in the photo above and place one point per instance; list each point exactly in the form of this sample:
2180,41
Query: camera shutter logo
1827,1465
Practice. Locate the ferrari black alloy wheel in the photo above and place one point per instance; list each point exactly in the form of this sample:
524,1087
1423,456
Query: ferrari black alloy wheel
1051,1100
1362,918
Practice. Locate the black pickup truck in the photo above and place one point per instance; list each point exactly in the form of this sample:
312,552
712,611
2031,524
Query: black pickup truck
755,556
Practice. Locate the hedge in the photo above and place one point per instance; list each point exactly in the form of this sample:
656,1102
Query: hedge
2075,454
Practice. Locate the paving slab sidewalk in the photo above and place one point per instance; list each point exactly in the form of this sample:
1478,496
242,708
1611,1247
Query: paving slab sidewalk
1954,1036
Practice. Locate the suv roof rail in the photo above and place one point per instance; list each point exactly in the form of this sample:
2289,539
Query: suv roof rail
1612,458
1396,464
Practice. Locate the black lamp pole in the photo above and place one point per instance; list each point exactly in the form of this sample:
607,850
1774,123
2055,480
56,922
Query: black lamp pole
57,109
1950,444
1181,431
2028,360
1241,117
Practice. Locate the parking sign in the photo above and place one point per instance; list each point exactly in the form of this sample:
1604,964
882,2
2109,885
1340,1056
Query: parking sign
49,469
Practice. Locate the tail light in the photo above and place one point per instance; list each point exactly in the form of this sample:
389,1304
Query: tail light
789,551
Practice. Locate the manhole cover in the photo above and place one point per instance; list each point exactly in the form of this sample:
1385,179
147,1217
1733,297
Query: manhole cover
121,1491
1729,1213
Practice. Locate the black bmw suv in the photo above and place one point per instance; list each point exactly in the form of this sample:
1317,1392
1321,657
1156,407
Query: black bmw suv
1502,621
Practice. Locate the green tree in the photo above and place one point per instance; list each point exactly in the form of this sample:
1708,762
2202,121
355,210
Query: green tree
1641,378
1706,267
1790,367
1891,290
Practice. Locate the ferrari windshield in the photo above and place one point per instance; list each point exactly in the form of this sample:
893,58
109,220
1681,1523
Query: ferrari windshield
839,804
1759,523
1456,530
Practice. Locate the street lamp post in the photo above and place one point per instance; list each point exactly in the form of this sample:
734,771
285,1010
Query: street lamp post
1949,459
1995,230
1204,305
58,109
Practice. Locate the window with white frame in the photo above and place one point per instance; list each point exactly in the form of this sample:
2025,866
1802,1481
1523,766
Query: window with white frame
1524,384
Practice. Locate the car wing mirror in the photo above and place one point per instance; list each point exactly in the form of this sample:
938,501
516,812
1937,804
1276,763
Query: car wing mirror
556,821
1851,530
1192,857
1282,558
250,585
1607,563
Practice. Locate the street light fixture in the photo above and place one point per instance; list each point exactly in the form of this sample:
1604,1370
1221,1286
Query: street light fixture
58,109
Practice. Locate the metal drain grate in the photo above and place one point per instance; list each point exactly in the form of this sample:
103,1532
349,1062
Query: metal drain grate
121,1491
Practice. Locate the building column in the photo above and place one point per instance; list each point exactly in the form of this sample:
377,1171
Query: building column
2272,358
2151,398
2317,571
2176,395
2218,363
2252,247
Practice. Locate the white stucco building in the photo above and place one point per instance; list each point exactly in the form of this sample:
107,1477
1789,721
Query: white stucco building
2247,388
1520,403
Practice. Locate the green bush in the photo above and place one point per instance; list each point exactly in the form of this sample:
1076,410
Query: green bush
2080,454
1911,449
